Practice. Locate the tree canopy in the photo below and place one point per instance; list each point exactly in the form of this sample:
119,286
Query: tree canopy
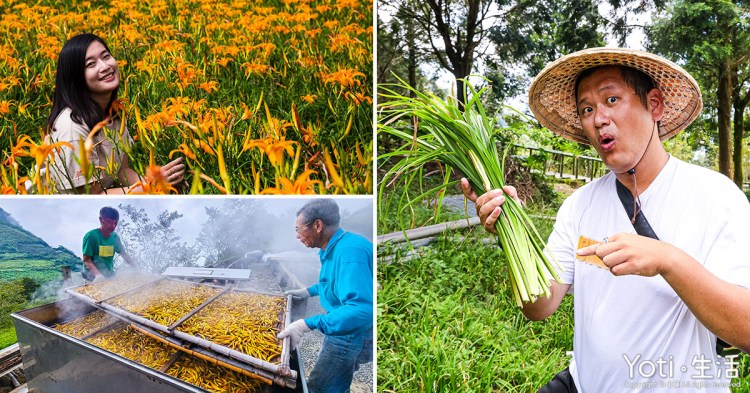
239,226
508,42
152,241
711,39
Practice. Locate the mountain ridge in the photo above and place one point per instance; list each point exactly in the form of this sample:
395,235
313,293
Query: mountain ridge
23,254
5,217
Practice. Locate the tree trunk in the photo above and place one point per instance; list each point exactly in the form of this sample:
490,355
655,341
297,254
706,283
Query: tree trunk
724,95
461,91
461,73
739,134
411,57
458,53
739,102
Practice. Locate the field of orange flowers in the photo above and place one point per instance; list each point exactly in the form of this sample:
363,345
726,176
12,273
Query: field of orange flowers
258,96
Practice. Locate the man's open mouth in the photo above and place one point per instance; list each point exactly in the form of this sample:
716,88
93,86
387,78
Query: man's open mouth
607,142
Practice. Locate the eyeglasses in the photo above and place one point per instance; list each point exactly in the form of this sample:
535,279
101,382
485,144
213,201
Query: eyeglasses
298,229
109,220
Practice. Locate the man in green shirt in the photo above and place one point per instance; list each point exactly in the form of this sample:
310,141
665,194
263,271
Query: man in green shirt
100,246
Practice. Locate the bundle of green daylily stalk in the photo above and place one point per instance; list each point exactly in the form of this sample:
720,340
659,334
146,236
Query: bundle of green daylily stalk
463,140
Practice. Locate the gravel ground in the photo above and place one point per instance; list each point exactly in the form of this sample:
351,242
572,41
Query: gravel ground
261,279
311,343
456,203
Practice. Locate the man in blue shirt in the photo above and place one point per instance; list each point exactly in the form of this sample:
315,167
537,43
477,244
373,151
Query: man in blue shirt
345,288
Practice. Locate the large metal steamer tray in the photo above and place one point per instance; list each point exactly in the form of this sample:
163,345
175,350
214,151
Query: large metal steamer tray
233,328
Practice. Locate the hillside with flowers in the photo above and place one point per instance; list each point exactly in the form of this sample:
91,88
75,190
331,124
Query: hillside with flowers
258,97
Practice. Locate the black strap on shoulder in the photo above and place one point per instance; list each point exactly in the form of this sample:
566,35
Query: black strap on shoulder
643,228
641,225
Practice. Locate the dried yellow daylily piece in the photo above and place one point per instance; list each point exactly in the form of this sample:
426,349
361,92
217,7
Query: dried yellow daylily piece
211,377
127,342
591,259
245,322
165,302
86,324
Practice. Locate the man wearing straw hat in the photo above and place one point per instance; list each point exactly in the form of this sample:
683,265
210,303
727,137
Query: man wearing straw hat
670,237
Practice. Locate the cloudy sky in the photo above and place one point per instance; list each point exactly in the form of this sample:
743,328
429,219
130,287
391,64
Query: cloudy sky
64,220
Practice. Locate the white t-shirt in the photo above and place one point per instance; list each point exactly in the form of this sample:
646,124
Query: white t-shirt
65,171
634,333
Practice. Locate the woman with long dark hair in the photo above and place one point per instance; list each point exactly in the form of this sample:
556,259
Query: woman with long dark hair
86,87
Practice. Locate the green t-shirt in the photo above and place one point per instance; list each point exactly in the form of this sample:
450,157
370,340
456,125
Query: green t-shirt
102,250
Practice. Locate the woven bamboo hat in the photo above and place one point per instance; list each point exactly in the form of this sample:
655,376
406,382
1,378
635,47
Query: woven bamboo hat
552,95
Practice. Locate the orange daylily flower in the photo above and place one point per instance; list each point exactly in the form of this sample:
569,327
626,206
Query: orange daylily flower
358,98
25,147
131,33
276,127
265,48
146,66
313,33
170,46
330,167
177,106
118,106
306,132
344,4
341,42
213,183
308,135
301,185
48,46
6,185
227,50
309,98
153,183
273,148
187,74
246,111
209,86
184,149
252,68
354,29
206,148
89,143
346,77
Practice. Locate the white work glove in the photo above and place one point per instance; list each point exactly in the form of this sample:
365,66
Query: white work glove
99,278
300,293
295,331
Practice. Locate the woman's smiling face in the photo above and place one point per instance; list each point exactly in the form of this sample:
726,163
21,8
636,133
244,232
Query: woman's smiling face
101,72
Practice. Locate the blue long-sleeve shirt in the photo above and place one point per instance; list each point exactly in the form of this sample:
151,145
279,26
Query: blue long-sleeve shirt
345,285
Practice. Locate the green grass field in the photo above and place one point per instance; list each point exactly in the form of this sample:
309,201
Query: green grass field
39,270
447,322
7,337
